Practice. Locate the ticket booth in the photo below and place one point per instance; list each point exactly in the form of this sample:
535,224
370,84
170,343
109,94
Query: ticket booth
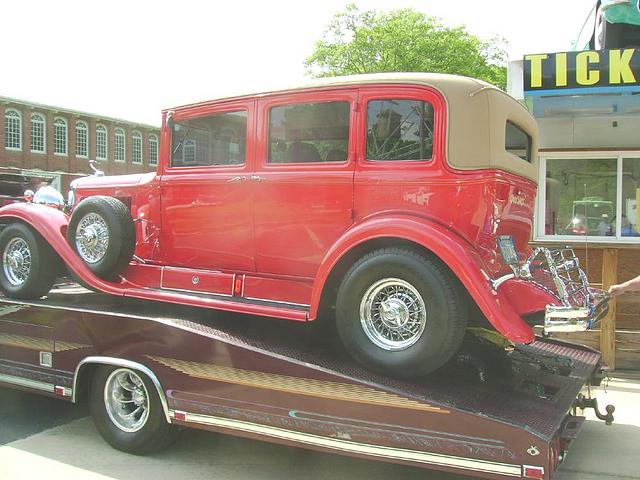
587,105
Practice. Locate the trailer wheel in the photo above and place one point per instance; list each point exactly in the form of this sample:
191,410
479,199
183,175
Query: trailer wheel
29,265
101,231
127,412
400,313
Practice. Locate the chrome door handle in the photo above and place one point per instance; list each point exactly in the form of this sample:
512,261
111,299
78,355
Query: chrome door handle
237,179
256,178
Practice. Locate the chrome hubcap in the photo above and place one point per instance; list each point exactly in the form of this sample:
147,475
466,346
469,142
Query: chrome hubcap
126,400
393,314
16,261
92,238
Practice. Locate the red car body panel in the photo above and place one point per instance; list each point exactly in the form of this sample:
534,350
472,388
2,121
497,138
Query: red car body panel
274,232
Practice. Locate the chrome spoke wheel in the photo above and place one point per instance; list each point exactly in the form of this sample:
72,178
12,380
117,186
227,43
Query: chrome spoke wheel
16,261
92,238
393,314
126,400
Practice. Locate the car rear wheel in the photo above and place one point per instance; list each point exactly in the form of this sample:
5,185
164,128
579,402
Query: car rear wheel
400,313
127,411
29,265
101,231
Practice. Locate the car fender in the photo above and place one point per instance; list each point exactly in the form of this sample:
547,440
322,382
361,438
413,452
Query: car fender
52,225
459,255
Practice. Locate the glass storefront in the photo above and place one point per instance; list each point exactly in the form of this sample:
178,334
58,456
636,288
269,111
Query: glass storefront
591,196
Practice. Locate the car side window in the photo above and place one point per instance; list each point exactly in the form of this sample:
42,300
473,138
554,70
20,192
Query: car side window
218,139
399,130
309,132
517,142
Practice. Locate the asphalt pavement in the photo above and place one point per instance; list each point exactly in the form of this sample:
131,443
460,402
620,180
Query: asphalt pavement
69,447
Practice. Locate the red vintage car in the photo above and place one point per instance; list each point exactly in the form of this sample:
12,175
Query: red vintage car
401,204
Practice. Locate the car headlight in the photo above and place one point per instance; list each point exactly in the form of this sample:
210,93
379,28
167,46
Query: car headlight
49,196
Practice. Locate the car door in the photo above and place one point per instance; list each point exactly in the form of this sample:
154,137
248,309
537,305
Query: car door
303,180
206,200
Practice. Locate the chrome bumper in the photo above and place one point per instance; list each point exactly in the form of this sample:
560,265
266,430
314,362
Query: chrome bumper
576,319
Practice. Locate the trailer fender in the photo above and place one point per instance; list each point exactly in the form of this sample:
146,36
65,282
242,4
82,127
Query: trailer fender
52,224
120,362
460,256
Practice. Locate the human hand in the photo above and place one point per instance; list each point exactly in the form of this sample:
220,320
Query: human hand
615,290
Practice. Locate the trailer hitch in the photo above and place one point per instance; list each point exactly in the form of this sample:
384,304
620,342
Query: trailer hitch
583,403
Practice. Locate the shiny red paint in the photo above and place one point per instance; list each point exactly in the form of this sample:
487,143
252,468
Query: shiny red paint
280,229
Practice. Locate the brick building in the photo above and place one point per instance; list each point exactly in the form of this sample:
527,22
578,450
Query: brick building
56,144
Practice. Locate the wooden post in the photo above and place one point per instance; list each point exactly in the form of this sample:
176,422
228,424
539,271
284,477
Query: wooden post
608,324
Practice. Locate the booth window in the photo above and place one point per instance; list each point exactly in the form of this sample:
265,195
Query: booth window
399,130
592,197
517,141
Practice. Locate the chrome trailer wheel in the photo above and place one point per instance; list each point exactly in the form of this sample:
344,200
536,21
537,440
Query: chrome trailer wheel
126,409
126,400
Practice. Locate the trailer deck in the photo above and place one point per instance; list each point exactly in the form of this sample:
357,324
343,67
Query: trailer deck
493,413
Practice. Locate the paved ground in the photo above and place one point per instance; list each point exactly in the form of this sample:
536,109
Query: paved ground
74,450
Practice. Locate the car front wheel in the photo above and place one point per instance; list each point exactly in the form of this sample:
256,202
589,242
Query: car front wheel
400,313
29,265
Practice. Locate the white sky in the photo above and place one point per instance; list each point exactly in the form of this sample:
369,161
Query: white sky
129,59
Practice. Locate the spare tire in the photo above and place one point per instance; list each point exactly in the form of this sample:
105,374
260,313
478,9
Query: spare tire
101,231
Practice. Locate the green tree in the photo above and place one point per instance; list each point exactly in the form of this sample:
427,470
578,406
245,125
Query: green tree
404,41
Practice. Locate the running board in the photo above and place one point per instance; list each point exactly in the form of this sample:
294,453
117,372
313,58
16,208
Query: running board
227,303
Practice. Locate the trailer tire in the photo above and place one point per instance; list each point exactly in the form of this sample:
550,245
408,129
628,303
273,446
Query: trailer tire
101,231
400,313
117,391
29,264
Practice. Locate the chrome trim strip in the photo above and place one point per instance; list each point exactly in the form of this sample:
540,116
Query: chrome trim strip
199,292
28,383
119,362
379,451
278,301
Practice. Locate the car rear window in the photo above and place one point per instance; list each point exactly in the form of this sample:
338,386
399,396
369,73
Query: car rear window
218,139
517,142
309,132
399,130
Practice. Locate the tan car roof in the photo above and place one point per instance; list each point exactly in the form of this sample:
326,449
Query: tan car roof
477,116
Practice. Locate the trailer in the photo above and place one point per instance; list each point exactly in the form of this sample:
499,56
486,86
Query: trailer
147,369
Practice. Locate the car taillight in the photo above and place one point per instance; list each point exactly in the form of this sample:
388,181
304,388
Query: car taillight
532,472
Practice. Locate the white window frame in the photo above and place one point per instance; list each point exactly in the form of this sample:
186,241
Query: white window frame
102,128
19,116
56,124
79,124
191,145
156,149
136,136
43,121
120,133
539,225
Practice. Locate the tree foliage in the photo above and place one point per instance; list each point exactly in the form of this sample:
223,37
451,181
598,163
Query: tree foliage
404,41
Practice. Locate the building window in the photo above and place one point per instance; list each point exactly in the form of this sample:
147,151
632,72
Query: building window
136,147
309,132
120,145
153,150
60,136
594,197
38,133
101,142
399,130
82,140
12,130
